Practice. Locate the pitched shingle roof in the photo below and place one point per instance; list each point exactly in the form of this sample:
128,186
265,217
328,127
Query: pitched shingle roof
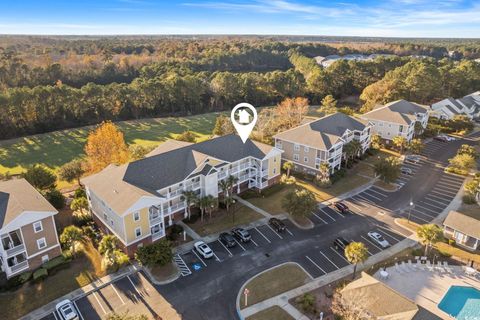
168,145
121,186
378,299
467,224
400,111
18,196
323,133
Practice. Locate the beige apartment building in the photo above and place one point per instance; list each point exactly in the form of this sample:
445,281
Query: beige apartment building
27,228
139,200
322,140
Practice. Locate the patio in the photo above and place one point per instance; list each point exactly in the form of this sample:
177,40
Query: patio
426,286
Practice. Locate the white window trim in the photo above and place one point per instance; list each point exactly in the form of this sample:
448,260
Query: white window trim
34,226
136,233
40,241
296,147
306,149
296,157
45,260
305,159
136,214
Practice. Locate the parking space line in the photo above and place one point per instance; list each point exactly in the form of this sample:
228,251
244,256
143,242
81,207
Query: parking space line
274,231
371,242
78,310
288,231
365,199
337,212
263,235
371,195
448,183
444,188
381,194
135,287
416,216
438,202
318,217
238,242
253,242
316,265
340,255
327,214
329,260
424,208
423,213
115,289
229,253
433,205
216,256
398,233
451,180
353,205
388,235
98,300
445,193
55,315
440,199
193,250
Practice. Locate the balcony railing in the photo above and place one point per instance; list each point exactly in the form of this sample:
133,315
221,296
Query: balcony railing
154,219
19,266
264,173
15,250
158,235
176,207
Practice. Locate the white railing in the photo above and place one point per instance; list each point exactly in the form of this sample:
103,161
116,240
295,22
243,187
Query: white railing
158,235
156,219
192,186
15,250
264,184
264,173
19,267
176,207
222,174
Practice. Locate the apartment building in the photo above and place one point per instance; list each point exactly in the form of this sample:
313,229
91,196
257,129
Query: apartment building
322,140
397,118
448,108
27,228
137,201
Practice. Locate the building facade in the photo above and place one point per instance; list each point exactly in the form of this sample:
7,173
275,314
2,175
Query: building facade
463,229
449,108
28,232
139,200
322,141
397,118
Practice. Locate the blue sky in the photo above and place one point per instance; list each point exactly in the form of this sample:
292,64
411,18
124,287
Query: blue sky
400,18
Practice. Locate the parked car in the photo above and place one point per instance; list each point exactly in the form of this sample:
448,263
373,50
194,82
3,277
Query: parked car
241,234
444,138
66,310
377,238
341,207
203,249
413,158
276,224
227,239
340,244
405,170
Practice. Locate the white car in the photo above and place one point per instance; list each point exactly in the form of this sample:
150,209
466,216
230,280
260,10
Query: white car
377,237
413,158
66,310
203,249
407,171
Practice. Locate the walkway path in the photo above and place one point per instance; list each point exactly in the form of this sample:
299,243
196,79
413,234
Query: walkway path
188,230
253,207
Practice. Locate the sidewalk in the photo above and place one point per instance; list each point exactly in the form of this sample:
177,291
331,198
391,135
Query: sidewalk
253,207
79,293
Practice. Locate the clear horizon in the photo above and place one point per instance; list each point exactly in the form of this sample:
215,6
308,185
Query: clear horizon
360,18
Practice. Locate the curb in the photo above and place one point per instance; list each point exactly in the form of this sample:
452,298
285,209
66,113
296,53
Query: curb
147,271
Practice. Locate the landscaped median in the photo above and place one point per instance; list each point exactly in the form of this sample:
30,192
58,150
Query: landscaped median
272,313
273,282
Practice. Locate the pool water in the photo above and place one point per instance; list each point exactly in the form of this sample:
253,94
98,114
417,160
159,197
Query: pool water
463,303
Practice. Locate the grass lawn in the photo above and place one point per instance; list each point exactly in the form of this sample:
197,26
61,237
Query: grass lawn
57,148
162,273
274,312
84,269
385,186
274,282
221,220
410,225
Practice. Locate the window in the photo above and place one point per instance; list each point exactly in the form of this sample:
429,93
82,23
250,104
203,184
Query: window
279,145
138,232
274,170
37,226
305,159
45,258
306,149
296,147
401,128
136,216
105,216
41,243
295,157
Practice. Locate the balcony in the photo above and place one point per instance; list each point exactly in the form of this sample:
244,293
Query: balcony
17,249
176,207
264,173
19,267
192,186
155,218
12,243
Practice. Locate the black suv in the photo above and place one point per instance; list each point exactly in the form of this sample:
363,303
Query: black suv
341,207
340,244
276,224
241,234
227,239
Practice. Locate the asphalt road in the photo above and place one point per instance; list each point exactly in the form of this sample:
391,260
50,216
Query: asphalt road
211,291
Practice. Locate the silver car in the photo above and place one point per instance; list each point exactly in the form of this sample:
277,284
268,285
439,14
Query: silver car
377,238
203,249
66,310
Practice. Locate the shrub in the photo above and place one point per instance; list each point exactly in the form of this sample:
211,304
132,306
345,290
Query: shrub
444,254
24,277
451,242
55,198
337,175
177,229
40,274
417,252
307,303
193,218
158,253
469,199
80,193
56,263
81,220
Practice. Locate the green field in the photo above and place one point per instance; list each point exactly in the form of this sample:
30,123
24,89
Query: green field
57,148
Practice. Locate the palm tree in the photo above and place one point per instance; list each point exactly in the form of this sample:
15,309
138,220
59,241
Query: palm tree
190,198
232,181
210,203
399,142
288,166
223,185
348,151
202,204
324,172
428,235
70,236
356,252
107,246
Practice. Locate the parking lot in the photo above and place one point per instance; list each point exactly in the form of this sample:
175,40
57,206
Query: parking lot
132,294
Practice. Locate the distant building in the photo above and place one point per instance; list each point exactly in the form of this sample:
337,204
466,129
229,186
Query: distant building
463,228
329,60
322,140
376,300
397,118
27,228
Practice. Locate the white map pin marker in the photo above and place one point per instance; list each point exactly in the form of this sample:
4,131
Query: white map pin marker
244,126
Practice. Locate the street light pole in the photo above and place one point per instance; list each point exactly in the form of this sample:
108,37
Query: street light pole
233,210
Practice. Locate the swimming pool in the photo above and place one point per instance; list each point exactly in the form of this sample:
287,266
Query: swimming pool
461,302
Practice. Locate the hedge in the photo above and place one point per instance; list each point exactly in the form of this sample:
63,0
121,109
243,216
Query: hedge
55,263
40,274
